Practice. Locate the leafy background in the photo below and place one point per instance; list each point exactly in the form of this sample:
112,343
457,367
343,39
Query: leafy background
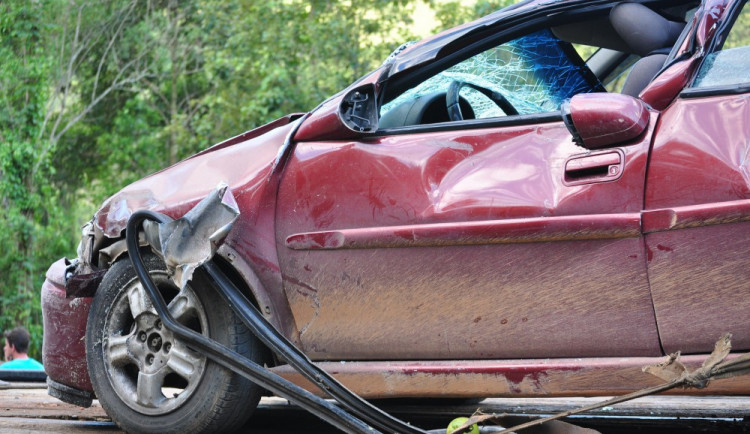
95,94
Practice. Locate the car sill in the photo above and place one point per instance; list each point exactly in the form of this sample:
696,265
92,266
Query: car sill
505,378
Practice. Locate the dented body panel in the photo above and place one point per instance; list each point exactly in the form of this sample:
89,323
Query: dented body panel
65,319
248,168
246,163
699,188
476,226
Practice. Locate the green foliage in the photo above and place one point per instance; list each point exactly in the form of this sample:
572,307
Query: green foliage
29,238
739,36
303,52
452,13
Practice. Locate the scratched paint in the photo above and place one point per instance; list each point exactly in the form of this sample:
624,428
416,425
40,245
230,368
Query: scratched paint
246,163
64,329
507,378
416,290
699,283
699,191
700,153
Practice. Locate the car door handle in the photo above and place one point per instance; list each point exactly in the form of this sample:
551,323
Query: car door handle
602,167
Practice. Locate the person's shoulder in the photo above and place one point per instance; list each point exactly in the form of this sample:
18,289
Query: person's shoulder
33,364
27,364
13,364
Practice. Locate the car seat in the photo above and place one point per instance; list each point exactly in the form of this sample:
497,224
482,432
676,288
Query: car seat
648,35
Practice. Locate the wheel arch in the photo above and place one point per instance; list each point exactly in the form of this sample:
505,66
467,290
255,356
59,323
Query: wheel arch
224,399
272,304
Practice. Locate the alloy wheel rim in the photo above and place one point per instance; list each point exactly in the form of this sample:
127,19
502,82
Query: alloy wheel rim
150,370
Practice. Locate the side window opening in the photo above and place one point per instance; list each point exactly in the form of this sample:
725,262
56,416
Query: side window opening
625,47
615,80
730,65
534,74
585,51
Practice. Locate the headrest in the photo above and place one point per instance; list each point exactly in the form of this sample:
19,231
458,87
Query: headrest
643,30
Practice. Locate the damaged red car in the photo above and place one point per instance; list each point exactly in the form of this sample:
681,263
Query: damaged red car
487,214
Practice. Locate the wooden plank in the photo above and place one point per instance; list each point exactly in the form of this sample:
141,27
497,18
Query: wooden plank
26,425
650,406
26,409
31,400
731,407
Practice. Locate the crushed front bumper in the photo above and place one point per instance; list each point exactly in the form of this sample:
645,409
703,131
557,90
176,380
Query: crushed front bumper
64,348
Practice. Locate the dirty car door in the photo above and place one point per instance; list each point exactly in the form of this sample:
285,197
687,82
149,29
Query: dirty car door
698,196
473,238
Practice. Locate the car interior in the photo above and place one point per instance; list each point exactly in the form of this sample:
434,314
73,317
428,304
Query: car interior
631,45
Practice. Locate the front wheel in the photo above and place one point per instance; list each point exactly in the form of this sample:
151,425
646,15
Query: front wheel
145,378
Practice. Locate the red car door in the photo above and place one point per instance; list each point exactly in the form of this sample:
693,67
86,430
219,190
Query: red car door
495,237
698,199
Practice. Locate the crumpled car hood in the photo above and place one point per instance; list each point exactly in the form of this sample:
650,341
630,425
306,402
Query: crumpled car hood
243,162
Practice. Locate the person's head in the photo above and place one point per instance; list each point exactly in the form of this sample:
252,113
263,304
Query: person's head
16,343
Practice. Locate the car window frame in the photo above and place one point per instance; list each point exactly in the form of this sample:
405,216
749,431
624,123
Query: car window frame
403,81
530,50
725,26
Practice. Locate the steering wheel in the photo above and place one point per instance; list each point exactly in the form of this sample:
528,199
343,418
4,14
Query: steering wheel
454,108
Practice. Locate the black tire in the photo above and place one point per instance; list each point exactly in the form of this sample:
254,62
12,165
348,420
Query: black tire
146,380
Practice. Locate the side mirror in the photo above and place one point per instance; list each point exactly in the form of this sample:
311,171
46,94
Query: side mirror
345,116
359,110
601,120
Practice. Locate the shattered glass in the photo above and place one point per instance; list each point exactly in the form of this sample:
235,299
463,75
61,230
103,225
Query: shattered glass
536,73
731,65
725,68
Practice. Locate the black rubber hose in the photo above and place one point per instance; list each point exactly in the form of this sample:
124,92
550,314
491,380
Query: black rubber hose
226,357
280,345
